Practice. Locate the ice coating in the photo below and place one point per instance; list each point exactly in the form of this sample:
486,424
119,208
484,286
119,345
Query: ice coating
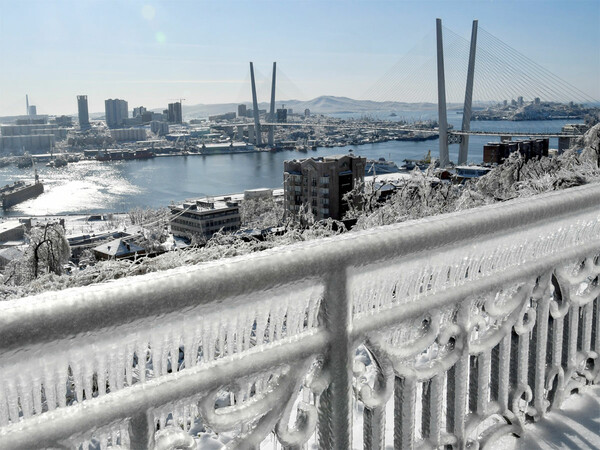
109,361
479,321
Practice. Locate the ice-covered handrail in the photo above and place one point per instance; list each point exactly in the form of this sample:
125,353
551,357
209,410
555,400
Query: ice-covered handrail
430,302
76,310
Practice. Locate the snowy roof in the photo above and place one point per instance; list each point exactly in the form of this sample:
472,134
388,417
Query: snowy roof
11,253
119,247
9,225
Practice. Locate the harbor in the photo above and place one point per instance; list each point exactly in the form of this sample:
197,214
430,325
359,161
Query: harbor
95,187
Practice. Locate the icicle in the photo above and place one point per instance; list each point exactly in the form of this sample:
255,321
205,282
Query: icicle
156,352
61,386
50,389
175,354
101,375
230,334
142,357
124,435
24,390
129,364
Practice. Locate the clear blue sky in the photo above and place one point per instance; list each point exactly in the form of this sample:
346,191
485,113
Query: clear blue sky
152,52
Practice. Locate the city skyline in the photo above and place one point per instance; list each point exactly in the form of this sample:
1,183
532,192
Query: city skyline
155,52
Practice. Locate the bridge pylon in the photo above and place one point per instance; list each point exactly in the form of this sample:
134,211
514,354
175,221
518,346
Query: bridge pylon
443,118
258,137
272,109
463,152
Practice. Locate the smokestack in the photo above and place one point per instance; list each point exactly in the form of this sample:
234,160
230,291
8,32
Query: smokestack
26,104
272,110
255,106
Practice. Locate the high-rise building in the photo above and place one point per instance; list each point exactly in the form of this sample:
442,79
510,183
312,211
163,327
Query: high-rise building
307,112
242,111
82,108
282,115
139,111
174,113
320,183
116,112
520,100
537,100
32,110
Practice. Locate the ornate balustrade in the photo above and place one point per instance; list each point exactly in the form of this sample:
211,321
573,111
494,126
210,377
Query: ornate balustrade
453,330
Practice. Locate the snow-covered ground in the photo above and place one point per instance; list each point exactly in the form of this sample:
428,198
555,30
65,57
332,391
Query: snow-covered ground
575,426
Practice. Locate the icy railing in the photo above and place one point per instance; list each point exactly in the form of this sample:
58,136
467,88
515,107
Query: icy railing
453,330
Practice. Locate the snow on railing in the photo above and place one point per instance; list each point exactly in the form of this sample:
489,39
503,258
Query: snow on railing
475,323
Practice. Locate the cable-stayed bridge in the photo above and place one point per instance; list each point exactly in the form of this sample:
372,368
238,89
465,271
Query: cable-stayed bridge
482,70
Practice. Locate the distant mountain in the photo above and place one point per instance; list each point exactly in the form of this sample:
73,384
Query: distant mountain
325,104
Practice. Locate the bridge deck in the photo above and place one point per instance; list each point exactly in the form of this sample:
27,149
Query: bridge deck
418,130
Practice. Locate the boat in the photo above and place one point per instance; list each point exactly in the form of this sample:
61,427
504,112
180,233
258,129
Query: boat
119,155
19,191
57,162
380,167
422,164
24,161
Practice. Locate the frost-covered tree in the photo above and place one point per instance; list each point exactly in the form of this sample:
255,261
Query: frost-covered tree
261,213
47,252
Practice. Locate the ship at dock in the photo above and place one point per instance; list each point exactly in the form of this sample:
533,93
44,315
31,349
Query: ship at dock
19,191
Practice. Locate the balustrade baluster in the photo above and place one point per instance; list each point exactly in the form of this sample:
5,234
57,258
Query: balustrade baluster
374,428
484,367
586,332
335,406
432,409
570,358
504,378
596,327
538,359
405,400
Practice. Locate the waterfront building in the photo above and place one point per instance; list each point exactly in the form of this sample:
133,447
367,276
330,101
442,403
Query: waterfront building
64,121
116,112
564,143
31,129
82,109
160,128
320,183
497,152
205,217
28,120
520,100
282,115
242,111
33,143
536,101
174,113
128,134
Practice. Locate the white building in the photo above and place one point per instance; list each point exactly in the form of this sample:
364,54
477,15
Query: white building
128,134
204,217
